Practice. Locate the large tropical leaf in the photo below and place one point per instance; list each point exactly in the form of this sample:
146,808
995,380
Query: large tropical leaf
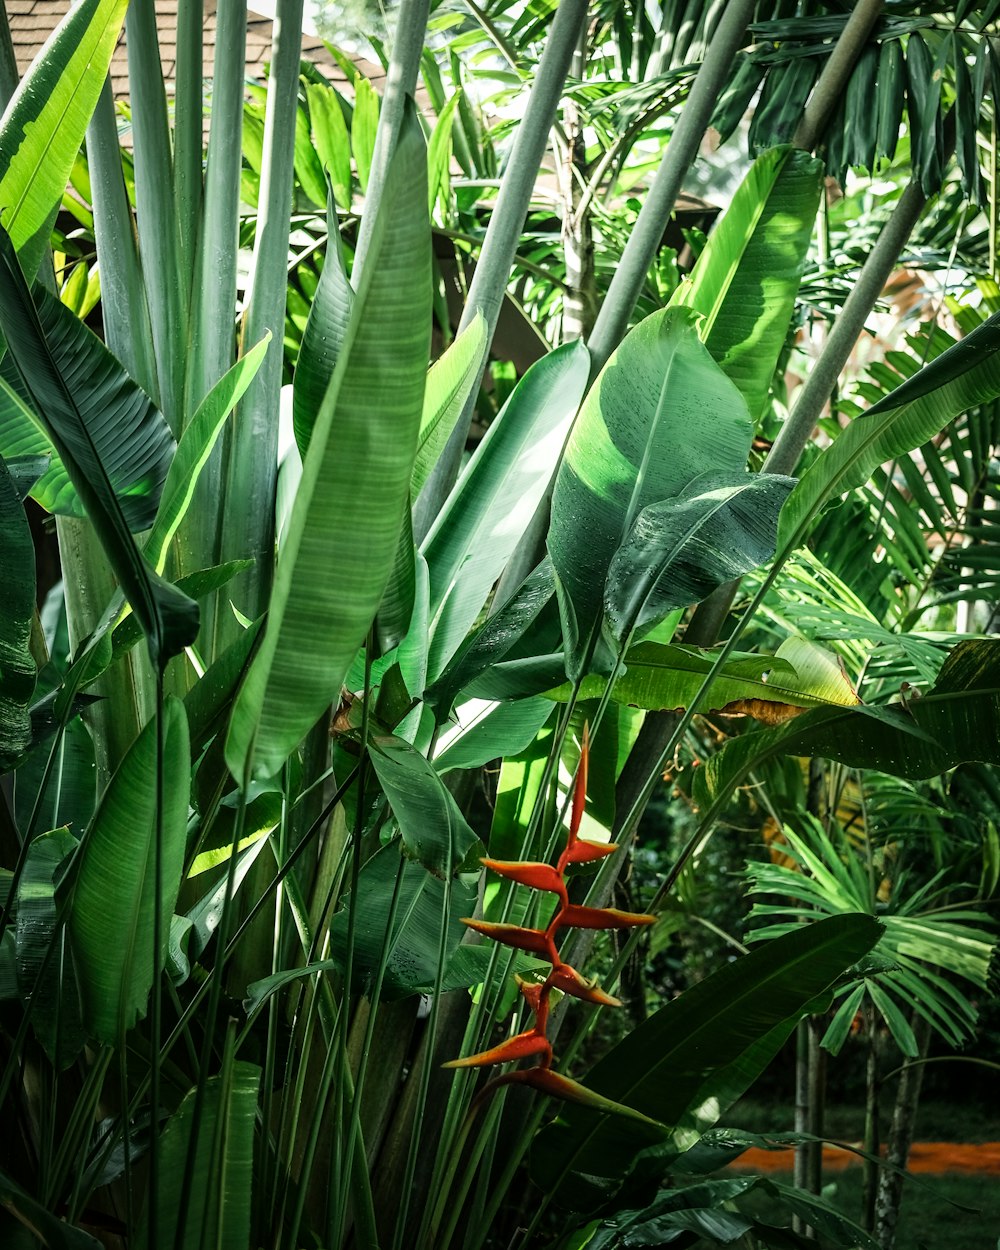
44,124
679,550
113,880
127,431
746,280
17,667
488,731
323,337
433,830
219,1199
489,509
60,399
962,377
40,1223
661,413
953,722
194,449
449,385
398,913
663,677
720,1033
333,568
495,637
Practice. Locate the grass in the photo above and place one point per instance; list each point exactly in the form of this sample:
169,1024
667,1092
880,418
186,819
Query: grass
928,1219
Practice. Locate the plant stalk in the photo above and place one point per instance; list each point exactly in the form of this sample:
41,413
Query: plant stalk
647,234
489,282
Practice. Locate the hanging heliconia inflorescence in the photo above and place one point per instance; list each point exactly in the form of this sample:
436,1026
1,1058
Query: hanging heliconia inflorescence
534,1042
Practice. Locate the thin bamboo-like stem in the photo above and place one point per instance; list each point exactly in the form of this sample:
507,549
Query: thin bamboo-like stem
489,282
188,144
248,527
154,182
156,997
124,310
829,90
213,322
401,81
213,333
647,232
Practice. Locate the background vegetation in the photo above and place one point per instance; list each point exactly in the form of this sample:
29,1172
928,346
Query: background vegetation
559,496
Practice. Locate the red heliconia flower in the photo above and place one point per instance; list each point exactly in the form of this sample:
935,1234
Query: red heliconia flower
533,1042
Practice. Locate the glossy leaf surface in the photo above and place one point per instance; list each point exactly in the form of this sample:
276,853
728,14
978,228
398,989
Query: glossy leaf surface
661,413
113,879
168,618
218,1203
746,280
669,1066
679,550
490,507
44,124
333,570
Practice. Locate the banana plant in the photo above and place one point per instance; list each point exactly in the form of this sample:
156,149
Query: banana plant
234,976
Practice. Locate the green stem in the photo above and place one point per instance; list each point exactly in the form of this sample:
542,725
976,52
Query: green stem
644,240
404,69
248,529
829,90
489,282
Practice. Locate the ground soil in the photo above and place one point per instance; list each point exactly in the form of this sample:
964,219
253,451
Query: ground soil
933,1157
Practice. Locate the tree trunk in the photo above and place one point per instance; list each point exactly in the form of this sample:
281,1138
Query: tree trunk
904,1116
871,1142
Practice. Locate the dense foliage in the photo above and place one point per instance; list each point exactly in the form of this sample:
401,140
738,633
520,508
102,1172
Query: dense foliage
430,480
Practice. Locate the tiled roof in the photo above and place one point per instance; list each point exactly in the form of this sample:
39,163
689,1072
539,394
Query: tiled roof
32,21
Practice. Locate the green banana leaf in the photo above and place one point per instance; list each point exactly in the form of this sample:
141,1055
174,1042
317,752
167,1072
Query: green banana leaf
494,638
667,677
219,1202
126,429
433,830
449,385
168,618
345,524
49,982
17,606
194,449
661,413
746,280
209,701
672,1066
487,513
44,124
954,721
323,337
679,550
964,376
488,731
413,941
711,1208
196,585
112,880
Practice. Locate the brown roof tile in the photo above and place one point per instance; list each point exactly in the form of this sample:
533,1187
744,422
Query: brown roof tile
32,20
